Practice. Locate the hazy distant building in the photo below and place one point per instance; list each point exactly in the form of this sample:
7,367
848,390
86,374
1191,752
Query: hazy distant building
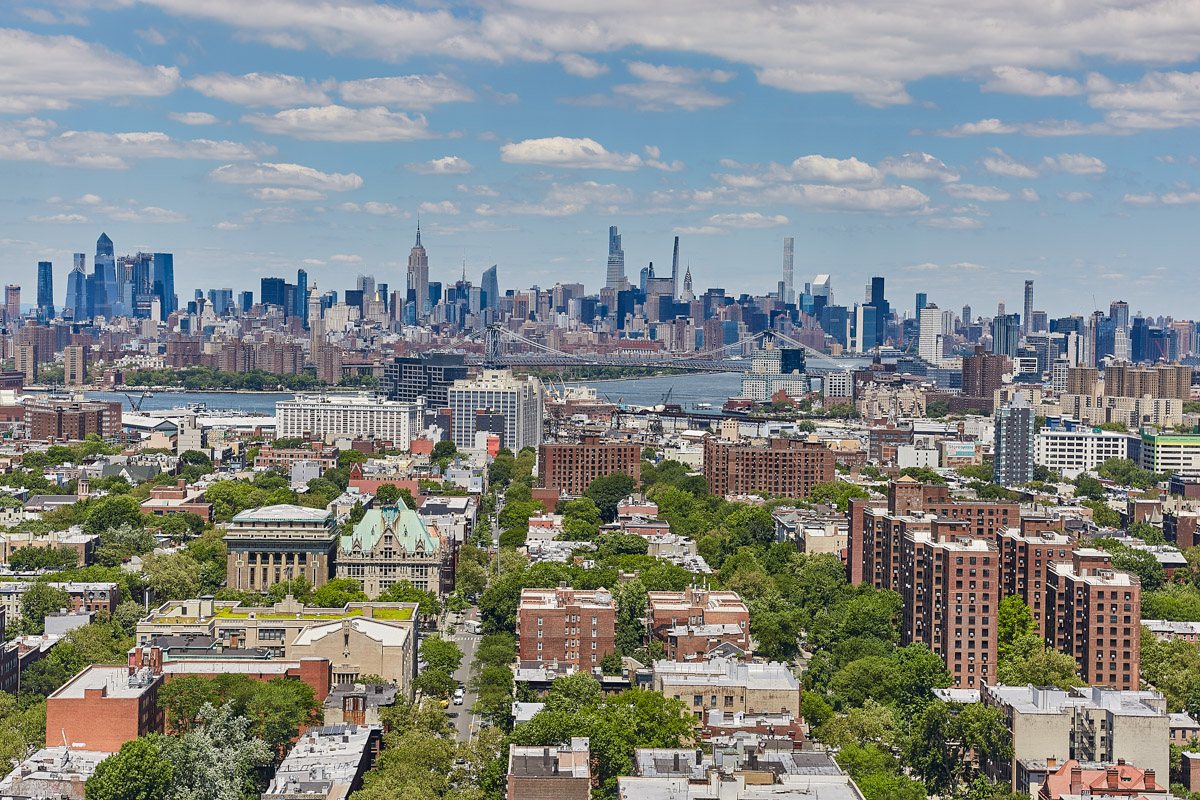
616,261
789,245
418,275
1027,321
75,304
74,365
1006,334
490,284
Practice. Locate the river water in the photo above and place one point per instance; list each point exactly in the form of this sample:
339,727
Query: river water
687,390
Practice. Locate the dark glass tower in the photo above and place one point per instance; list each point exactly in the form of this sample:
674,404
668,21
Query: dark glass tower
45,291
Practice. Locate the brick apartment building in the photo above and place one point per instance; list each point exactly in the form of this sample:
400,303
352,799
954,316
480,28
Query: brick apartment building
550,773
787,467
695,621
886,438
103,707
571,467
177,499
1027,555
1093,612
63,420
324,457
951,592
574,626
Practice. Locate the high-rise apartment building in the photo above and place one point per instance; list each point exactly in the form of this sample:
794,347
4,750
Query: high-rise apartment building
1027,319
45,291
786,468
12,303
982,374
26,356
490,284
418,276
1013,465
428,375
61,420
571,467
74,365
616,261
1093,613
789,245
496,401
1006,334
929,337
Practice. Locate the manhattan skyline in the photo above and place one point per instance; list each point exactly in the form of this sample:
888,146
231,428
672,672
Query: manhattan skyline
951,162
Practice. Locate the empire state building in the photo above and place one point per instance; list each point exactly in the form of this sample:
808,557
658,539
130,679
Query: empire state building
418,276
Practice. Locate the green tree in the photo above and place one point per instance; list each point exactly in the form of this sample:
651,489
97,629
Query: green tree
443,449
136,772
387,494
338,592
608,491
172,576
435,683
982,730
1031,661
217,758
29,559
1089,487
113,511
39,600
439,653
1013,621
405,592
836,493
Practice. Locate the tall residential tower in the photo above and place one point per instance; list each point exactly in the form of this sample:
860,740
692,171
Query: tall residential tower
616,262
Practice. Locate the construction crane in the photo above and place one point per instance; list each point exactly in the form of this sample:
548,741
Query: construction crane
136,405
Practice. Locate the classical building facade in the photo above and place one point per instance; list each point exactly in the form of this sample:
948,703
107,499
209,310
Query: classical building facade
278,543
388,545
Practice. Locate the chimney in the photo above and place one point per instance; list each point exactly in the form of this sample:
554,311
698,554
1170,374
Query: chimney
676,762
1076,779
1051,762
1149,782
1110,777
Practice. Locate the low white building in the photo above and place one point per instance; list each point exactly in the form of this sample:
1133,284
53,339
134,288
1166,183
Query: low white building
1085,448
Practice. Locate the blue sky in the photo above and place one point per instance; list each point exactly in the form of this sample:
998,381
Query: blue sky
956,149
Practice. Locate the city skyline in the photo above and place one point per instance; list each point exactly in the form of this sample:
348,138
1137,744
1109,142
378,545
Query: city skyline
251,147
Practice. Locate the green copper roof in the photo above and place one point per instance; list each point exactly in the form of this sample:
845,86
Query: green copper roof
401,522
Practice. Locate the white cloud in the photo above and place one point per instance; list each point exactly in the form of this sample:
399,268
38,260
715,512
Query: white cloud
1140,199
918,167
341,124
151,36
698,230
1001,163
883,199
194,118
256,89
442,207
663,73
1075,197
448,165
95,150
54,72
284,194
68,219
873,91
562,151
581,66
752,219
1018,80
1185,197
91,199
670,96
345,258
1029,195
480,190
148,214
984,126
1157,100
375,208
952,223
1075,163
980,194
286,175
406,91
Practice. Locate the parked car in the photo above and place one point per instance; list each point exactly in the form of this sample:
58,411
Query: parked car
458,696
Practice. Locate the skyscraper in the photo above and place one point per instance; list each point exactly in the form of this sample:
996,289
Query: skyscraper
301,296
1118,312
675,271
616,261
316,326
1014,443
12,303
882,310
45,291
929,337
1005,334
1027,320
76,300
162,283
922,301
271,292
418,276
789,245
104,270
490,283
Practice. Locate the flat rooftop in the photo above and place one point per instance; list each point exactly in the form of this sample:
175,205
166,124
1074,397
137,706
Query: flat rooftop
114,681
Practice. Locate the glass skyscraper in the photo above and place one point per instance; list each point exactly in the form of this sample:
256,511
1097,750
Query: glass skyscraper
616,261
45,291
164,282
76,302
490,284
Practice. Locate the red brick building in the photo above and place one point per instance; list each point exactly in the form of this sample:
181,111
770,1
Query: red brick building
884,439
1026,556
176,499
103,707
571,468
324,457
63,420
787,468
693,622
951,591
1094,613
1113,781
574,626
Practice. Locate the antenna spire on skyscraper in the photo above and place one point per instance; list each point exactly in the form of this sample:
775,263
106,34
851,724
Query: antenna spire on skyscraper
418,230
